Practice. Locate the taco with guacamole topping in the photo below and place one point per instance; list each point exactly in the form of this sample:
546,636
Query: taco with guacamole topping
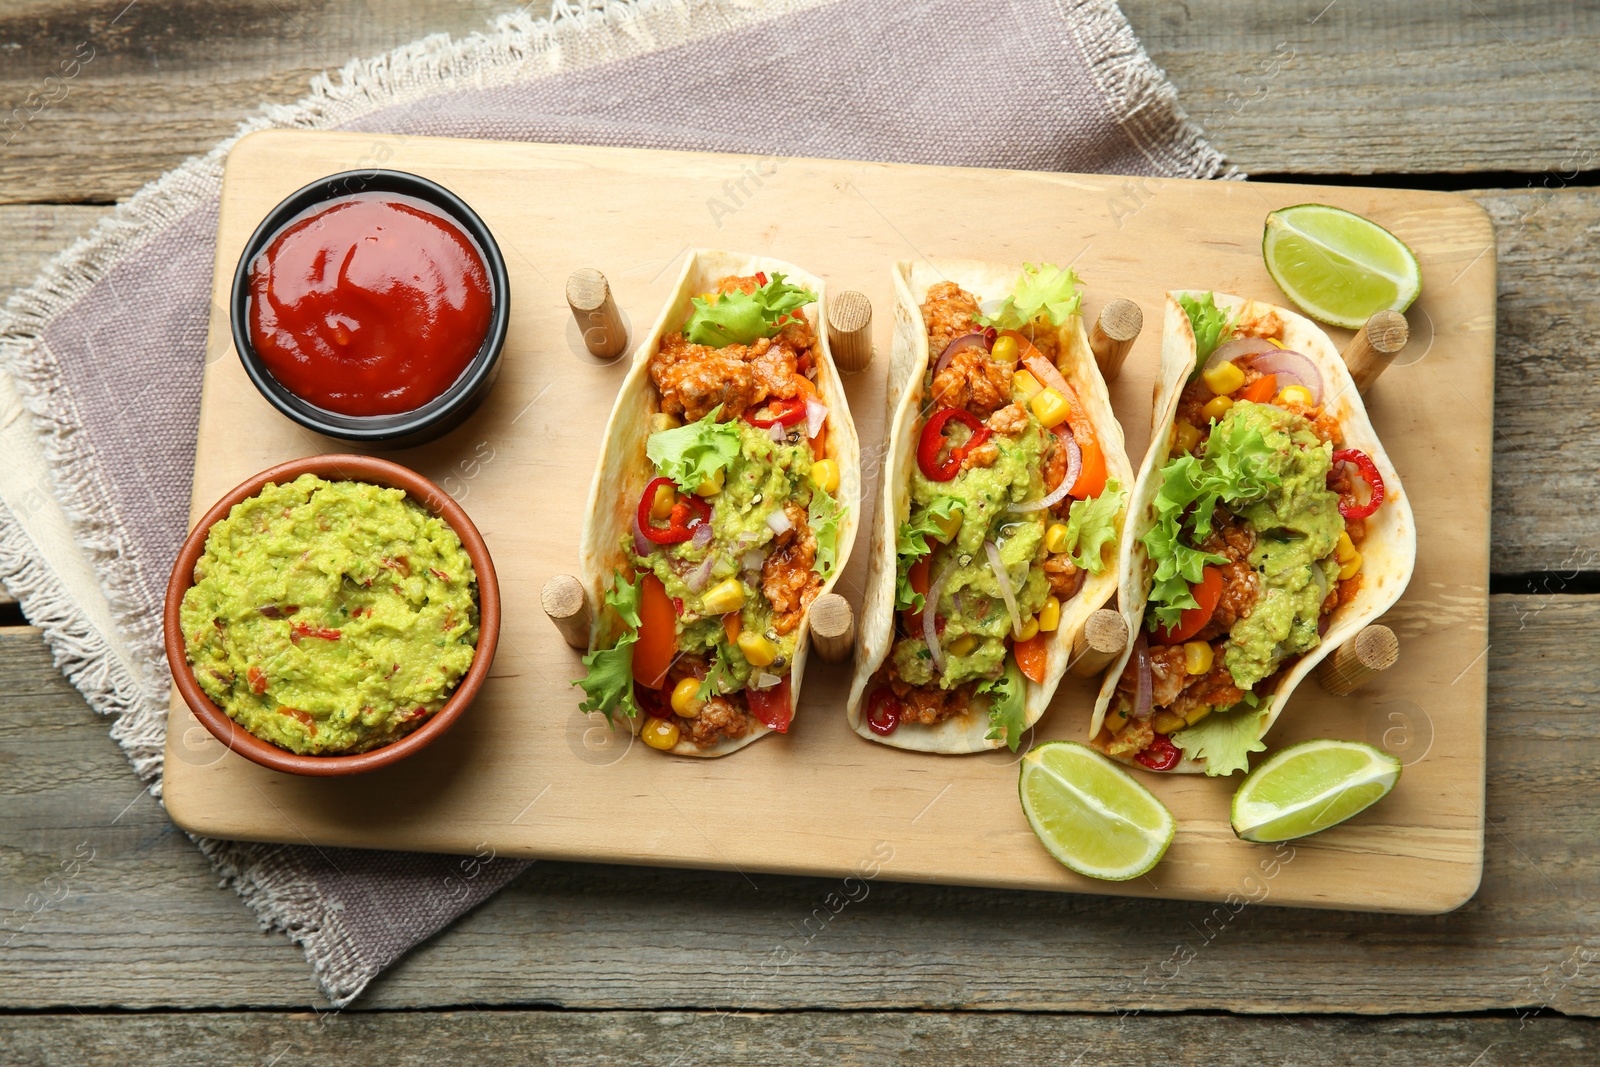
1004,486
725,502
1266,528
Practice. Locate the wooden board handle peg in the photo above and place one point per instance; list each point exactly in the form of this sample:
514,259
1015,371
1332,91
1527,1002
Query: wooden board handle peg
589,297
1356,662
1374,347
564,601
1103,636
850,332
1113,334
833,627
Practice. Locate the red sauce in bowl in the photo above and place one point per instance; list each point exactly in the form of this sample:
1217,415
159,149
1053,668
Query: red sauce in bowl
372,304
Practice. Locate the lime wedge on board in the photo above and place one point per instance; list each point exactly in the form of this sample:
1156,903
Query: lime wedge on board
1309,787
1338,267
1091,814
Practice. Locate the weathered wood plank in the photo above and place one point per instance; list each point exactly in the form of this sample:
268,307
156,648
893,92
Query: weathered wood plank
666,1038
1363,88
1431,86
31,234
144,926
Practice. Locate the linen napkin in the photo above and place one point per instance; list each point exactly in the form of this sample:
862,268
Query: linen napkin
106,349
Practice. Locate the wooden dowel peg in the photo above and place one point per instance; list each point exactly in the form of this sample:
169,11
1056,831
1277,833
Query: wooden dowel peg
1356,662
1113,334
1374,347
833,627
850,331
589,297
564,601
1103,636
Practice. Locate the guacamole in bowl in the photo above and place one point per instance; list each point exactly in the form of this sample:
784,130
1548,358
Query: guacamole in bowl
330,617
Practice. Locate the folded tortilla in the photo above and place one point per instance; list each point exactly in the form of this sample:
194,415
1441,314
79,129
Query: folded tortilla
623,472
908,366
1388,553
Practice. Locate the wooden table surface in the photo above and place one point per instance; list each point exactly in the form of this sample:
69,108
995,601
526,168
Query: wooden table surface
147,961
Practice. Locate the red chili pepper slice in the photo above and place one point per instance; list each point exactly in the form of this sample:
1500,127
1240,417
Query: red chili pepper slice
761,276
1349,506
300,629
779,413
687,513
883,711
933,442
1159,755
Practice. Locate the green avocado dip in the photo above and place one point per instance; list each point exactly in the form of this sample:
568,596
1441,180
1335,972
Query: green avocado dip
330,617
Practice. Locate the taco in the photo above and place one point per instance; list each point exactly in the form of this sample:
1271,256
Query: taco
725,502
1266,528
1004,485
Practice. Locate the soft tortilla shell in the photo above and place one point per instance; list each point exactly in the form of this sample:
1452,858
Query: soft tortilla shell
623,472
909,360
1388,554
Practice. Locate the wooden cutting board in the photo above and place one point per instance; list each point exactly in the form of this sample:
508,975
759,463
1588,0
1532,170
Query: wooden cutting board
525,773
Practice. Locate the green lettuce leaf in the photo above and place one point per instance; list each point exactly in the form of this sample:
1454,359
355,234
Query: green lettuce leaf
719,679
691,454
1224,739
1007,705
911,544
823,517
1212,325
739,318
1092,524
609,682
1046,290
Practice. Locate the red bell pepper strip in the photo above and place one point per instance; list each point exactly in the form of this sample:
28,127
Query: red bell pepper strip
1092,470
1159,755
933,441
779,413
883,711
1032,657
657,646
1349,506
772,707
1206,592
687,513
1261,390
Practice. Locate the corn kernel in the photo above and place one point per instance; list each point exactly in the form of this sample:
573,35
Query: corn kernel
1024,385
1345,550
1197,714
1030,629
713,485
1165,722
825,475
1116,719
758,651
1005,349
661,506
662,421
1051,408
1050,615
686,698
1274,342
1055,538
659,733
723,597
1348,569
1184,437
1224,378
1295,394
1197,657
962,646
948,528
1216,408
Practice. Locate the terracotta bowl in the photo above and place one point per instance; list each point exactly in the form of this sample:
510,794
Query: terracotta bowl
335,468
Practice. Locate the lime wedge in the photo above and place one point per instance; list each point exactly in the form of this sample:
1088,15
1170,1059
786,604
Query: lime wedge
1338,267
1309,787
1091,814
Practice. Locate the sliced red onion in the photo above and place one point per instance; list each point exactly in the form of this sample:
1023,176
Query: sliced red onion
764,680
752,560
815,414
1068,480
1321,579
779,433
701,574
1289,364
642,545
1047,374
779,523
1238,348
1145,693
1004,581
930,611
966,340
702,535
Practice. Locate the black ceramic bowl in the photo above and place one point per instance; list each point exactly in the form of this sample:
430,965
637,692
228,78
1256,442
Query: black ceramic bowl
439,415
